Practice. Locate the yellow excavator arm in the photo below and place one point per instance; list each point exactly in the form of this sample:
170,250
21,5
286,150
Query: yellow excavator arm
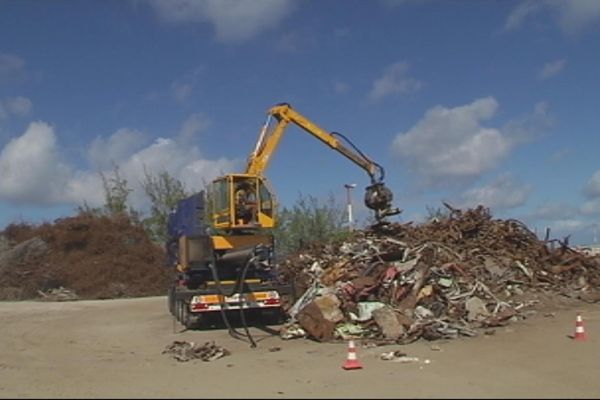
245,202
285,114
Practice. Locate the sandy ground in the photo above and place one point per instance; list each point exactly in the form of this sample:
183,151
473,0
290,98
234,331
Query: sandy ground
112,348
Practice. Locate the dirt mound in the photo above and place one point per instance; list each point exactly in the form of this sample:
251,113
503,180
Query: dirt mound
95,256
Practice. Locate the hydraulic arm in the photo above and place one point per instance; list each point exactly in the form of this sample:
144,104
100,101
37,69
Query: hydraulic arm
259,213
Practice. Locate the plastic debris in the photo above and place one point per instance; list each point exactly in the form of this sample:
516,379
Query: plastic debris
291,331
366,308
183,351
348,331
58,294
398,356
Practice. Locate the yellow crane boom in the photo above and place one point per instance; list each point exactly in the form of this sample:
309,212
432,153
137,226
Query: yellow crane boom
285,114
245,202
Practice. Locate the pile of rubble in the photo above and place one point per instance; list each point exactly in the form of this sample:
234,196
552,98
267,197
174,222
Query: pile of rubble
58,294
447,278
80,257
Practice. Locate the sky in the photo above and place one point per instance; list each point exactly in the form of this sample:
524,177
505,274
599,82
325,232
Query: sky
466,102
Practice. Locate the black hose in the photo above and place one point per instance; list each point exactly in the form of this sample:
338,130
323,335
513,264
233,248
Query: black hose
238,287
222,302
363,155
242,312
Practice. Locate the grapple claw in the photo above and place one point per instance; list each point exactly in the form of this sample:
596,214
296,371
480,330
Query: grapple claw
379,198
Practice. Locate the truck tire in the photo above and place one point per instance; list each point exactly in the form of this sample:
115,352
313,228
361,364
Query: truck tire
179,307
171,300
188,319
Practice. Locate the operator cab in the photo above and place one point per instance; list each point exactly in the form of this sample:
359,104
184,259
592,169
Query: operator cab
242,202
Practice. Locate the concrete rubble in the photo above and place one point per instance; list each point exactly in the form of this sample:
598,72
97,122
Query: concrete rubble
452,277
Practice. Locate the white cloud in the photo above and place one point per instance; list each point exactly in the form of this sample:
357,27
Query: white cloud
181,160
503,193
575,16
554,211
568,226
183,87
551,69
192,126
102,153
450,145
560,155
19,106
393,81
572,16
340,87
84,186
520,13
592,187
528,127
233,20
590,208
290,42
197,172
181,91
31,170
9,64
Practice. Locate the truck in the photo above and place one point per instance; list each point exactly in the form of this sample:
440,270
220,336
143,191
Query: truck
220,244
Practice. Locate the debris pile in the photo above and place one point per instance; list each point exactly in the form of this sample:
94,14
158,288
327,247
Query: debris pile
85,257
59,294
183,351
447,278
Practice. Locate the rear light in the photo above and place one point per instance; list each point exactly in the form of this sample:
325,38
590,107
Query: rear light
199,306
272,302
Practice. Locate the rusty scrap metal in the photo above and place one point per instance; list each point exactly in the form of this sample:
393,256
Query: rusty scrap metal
443,279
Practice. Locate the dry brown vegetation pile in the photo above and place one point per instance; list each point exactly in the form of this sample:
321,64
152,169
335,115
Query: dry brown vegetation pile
96,256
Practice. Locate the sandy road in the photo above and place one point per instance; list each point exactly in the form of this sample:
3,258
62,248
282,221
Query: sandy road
112,348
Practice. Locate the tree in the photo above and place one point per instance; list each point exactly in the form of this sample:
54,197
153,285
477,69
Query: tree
116,192
164,192
309,221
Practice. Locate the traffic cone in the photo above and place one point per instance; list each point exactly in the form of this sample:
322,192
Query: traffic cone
351,361
579,331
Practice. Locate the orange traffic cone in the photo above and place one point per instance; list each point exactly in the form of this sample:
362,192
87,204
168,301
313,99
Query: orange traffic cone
351,361
579,331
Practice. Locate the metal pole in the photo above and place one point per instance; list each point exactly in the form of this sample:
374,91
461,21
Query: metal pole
349,187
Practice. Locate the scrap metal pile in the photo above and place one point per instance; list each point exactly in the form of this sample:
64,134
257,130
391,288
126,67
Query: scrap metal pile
444,279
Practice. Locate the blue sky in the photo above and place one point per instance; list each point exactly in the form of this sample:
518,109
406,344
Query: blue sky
468,102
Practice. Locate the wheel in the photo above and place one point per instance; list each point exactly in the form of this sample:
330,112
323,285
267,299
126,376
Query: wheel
185,315
171,300
179,310
193,320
